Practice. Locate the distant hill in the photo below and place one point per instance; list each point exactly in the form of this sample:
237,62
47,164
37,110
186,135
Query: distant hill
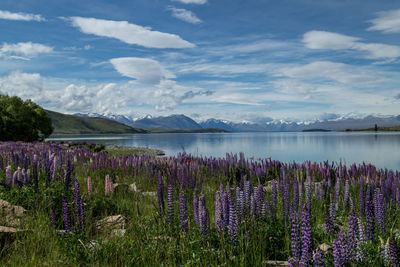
182,122
72,124
179,122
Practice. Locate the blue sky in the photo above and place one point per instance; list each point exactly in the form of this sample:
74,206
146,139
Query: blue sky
242,60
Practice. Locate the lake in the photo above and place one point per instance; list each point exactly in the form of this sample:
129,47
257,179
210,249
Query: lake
380,149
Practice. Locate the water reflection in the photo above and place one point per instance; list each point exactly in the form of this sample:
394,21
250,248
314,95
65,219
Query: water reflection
381,149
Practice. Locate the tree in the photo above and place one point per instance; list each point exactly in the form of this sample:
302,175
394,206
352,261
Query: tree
23,120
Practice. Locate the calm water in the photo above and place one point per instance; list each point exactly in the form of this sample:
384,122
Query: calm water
381,149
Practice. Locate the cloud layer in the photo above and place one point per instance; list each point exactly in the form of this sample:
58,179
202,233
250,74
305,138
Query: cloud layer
129,33
184,14
387,22
24,50
337,41
197,2
20,16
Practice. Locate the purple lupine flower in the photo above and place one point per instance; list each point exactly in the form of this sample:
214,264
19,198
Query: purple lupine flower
260,198
225,209
82,214
319,258
247,193
370,219
274,199
219,223
286,204
252,205
362,198
346,194
160,193
233,223
306,236
89,186
293,262
9,175
183,212
393,252
295,195
332,212
337,189
379,208
360,253
67,224
204,217
170,204
35,172
339,251
196,209
295,236
109,187
329,227
352,238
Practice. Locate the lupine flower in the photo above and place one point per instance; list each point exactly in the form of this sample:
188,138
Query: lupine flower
67,224
225,209
160,193
247,192
306,236
361,241
170,203
295,236
89,186
233,223
9,175
346,194
339,251
82,214
352,238
204,217
109,187
219,223
274,199
362,198
370,219
196,209
329,227
319,258
393,257
183,211
379,208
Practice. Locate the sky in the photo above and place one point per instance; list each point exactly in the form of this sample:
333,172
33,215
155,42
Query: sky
236,60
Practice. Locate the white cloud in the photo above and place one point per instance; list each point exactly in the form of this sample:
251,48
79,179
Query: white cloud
333,71
26,50
20,16
387,21
337,41
129,33
197,2
185,15
144,70
24,85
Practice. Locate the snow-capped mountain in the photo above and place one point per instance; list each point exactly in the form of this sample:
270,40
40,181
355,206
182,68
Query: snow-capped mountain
333,123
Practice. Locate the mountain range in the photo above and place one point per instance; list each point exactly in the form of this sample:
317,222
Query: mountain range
183,122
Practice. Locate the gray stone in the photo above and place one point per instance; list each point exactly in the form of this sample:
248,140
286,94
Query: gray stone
10,215
110,223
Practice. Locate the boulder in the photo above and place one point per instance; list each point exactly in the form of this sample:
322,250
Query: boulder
133,188
324,247
111,223
277,263
10,215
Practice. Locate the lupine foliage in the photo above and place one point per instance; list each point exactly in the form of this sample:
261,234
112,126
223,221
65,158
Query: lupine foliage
243,211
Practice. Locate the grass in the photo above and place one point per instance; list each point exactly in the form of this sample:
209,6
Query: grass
149,240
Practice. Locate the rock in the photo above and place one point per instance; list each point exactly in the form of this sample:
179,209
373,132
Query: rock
10,215
150,194
277,263
324,247
133,188
110,223
9,233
